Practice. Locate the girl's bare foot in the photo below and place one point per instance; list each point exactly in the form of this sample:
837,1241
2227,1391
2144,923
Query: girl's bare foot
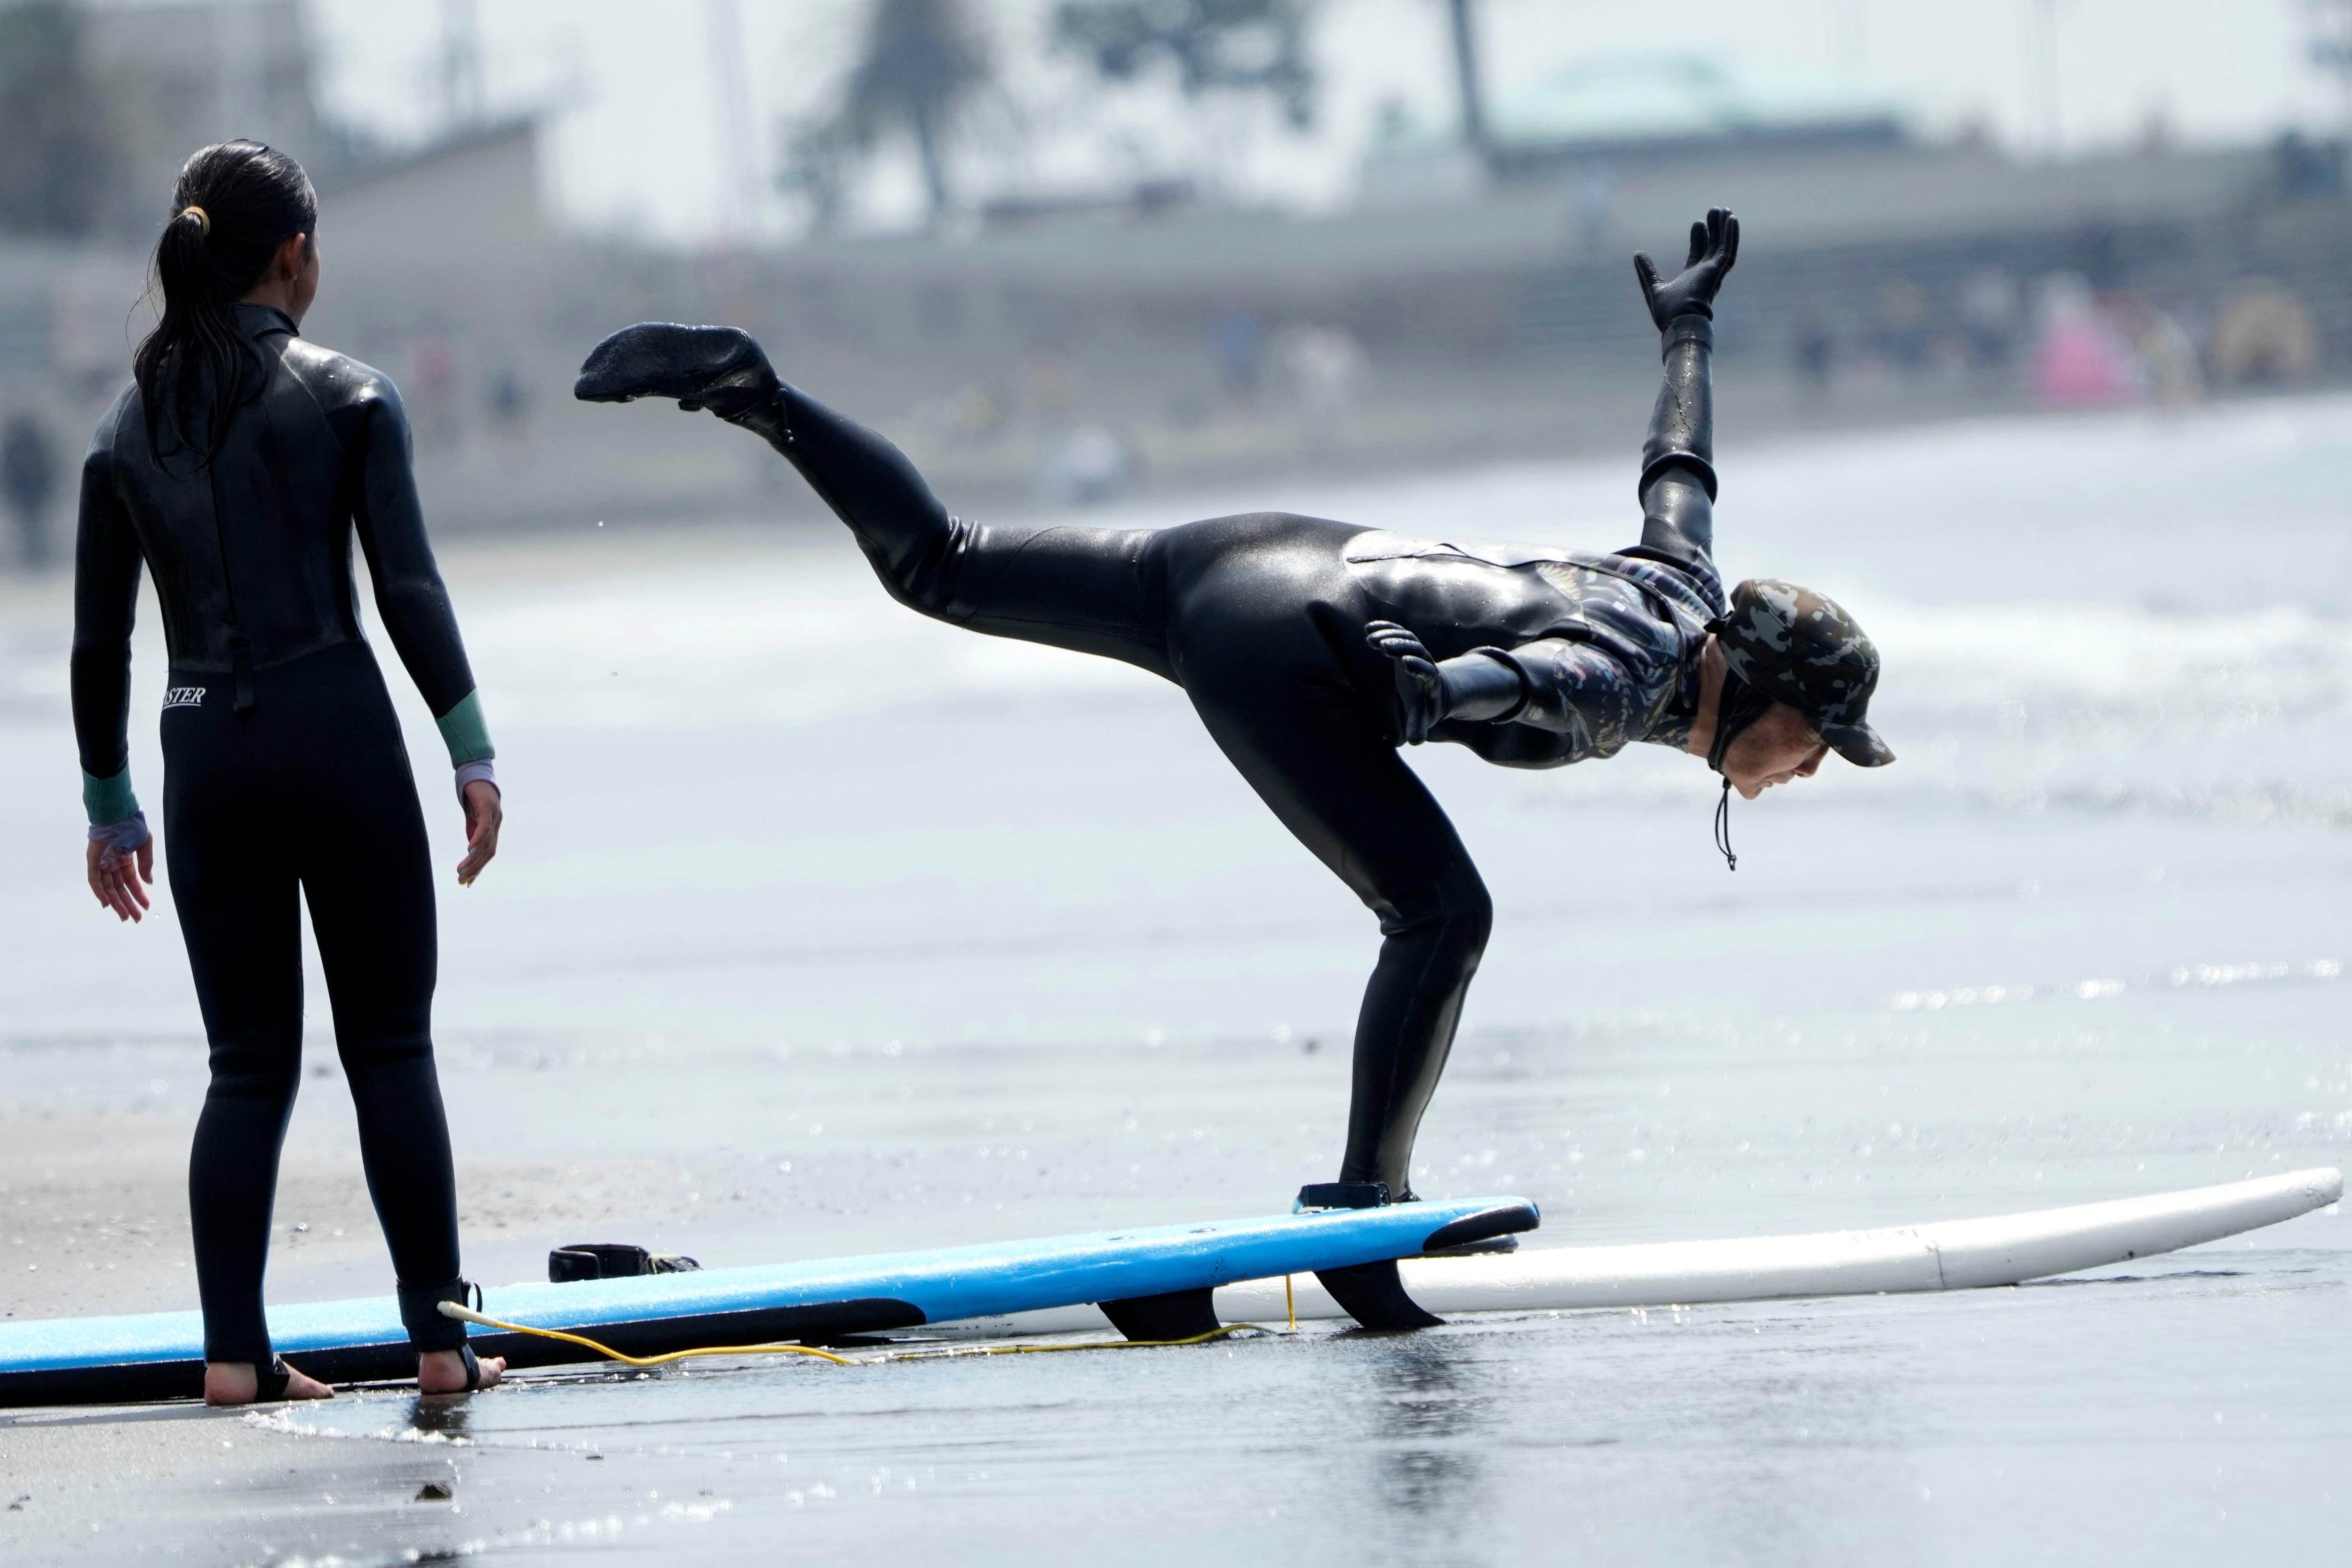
444,1371
236,1383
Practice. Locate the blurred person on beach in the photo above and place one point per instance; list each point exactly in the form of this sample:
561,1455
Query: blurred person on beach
28,480
2081,360
235,470
1988,316
2263,336
1813,354
1313,649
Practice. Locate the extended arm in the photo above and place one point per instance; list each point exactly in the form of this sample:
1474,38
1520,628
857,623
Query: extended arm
1677,484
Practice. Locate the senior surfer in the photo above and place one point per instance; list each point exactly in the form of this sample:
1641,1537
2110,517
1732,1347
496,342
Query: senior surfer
1313,649
236,470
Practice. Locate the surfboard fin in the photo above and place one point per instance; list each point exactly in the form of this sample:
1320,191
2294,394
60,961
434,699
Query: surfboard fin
1373,1295
1178,1315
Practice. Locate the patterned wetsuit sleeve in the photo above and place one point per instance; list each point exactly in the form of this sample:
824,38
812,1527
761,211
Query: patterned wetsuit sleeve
1677,486
106,599
1574,689
409,592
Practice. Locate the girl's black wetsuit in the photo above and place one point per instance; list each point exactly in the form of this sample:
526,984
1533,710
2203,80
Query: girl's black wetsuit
1261,618
284,770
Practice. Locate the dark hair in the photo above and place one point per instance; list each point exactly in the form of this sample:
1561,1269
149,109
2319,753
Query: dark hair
249,200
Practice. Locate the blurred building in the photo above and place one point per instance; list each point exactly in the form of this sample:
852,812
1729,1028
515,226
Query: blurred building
181,73
1476,302
1624,112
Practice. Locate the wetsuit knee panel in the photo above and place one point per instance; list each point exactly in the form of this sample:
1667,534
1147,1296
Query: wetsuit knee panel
1470,916
255,1064
382,1040
1457,912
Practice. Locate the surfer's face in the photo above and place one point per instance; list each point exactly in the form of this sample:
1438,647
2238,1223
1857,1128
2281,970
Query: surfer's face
1777,749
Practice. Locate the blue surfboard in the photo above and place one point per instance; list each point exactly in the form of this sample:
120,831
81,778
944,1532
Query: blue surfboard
1136,1275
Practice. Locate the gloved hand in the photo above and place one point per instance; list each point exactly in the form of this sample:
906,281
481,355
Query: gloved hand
1420,689
1714,247
1481,685
718,368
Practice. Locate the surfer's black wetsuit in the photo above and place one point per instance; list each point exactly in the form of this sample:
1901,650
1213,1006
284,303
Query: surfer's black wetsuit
285,768
1262,619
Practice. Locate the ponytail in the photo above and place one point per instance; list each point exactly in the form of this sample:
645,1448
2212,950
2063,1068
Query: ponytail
235,203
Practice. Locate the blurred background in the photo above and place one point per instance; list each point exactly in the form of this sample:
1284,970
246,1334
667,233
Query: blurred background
1063,248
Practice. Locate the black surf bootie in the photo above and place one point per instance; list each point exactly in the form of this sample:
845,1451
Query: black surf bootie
718,368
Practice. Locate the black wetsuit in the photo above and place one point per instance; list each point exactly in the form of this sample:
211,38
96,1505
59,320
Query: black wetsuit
285,769
1261,619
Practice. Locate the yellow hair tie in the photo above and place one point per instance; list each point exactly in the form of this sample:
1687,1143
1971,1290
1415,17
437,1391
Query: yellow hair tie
204,219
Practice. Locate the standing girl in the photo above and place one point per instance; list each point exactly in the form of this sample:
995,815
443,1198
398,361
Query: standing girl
236,468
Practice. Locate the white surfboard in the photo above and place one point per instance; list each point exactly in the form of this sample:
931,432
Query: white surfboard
1952,1255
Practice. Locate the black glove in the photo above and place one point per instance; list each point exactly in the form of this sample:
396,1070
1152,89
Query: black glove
718,368
1714,247
1421,691
1481,685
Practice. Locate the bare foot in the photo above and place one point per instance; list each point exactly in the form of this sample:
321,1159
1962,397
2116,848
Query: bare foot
444,1371
235,1382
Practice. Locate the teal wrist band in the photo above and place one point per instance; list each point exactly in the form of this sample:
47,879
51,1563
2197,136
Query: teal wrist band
464,733
109,801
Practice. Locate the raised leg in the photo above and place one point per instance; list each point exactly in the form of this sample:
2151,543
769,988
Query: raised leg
1080,588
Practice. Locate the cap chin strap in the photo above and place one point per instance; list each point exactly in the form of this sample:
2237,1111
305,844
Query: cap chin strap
1737,707
1723,829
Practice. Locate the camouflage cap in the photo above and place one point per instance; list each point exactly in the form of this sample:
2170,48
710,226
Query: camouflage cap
1801,649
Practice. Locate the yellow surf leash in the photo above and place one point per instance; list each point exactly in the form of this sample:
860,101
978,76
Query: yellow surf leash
464,1313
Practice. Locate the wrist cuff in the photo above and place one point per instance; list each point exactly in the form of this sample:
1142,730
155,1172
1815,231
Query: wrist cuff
109,800
1692,329
469,772
121,838
464,733
1484,685
1664,460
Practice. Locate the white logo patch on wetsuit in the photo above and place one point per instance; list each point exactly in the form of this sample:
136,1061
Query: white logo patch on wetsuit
185,696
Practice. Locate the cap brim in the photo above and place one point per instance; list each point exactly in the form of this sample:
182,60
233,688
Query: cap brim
1858,745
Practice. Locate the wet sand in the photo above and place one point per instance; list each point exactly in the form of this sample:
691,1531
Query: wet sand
749,983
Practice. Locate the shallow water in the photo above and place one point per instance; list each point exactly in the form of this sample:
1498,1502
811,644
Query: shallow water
987,941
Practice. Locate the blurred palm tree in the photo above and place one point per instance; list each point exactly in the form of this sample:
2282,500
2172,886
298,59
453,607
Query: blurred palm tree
921,64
